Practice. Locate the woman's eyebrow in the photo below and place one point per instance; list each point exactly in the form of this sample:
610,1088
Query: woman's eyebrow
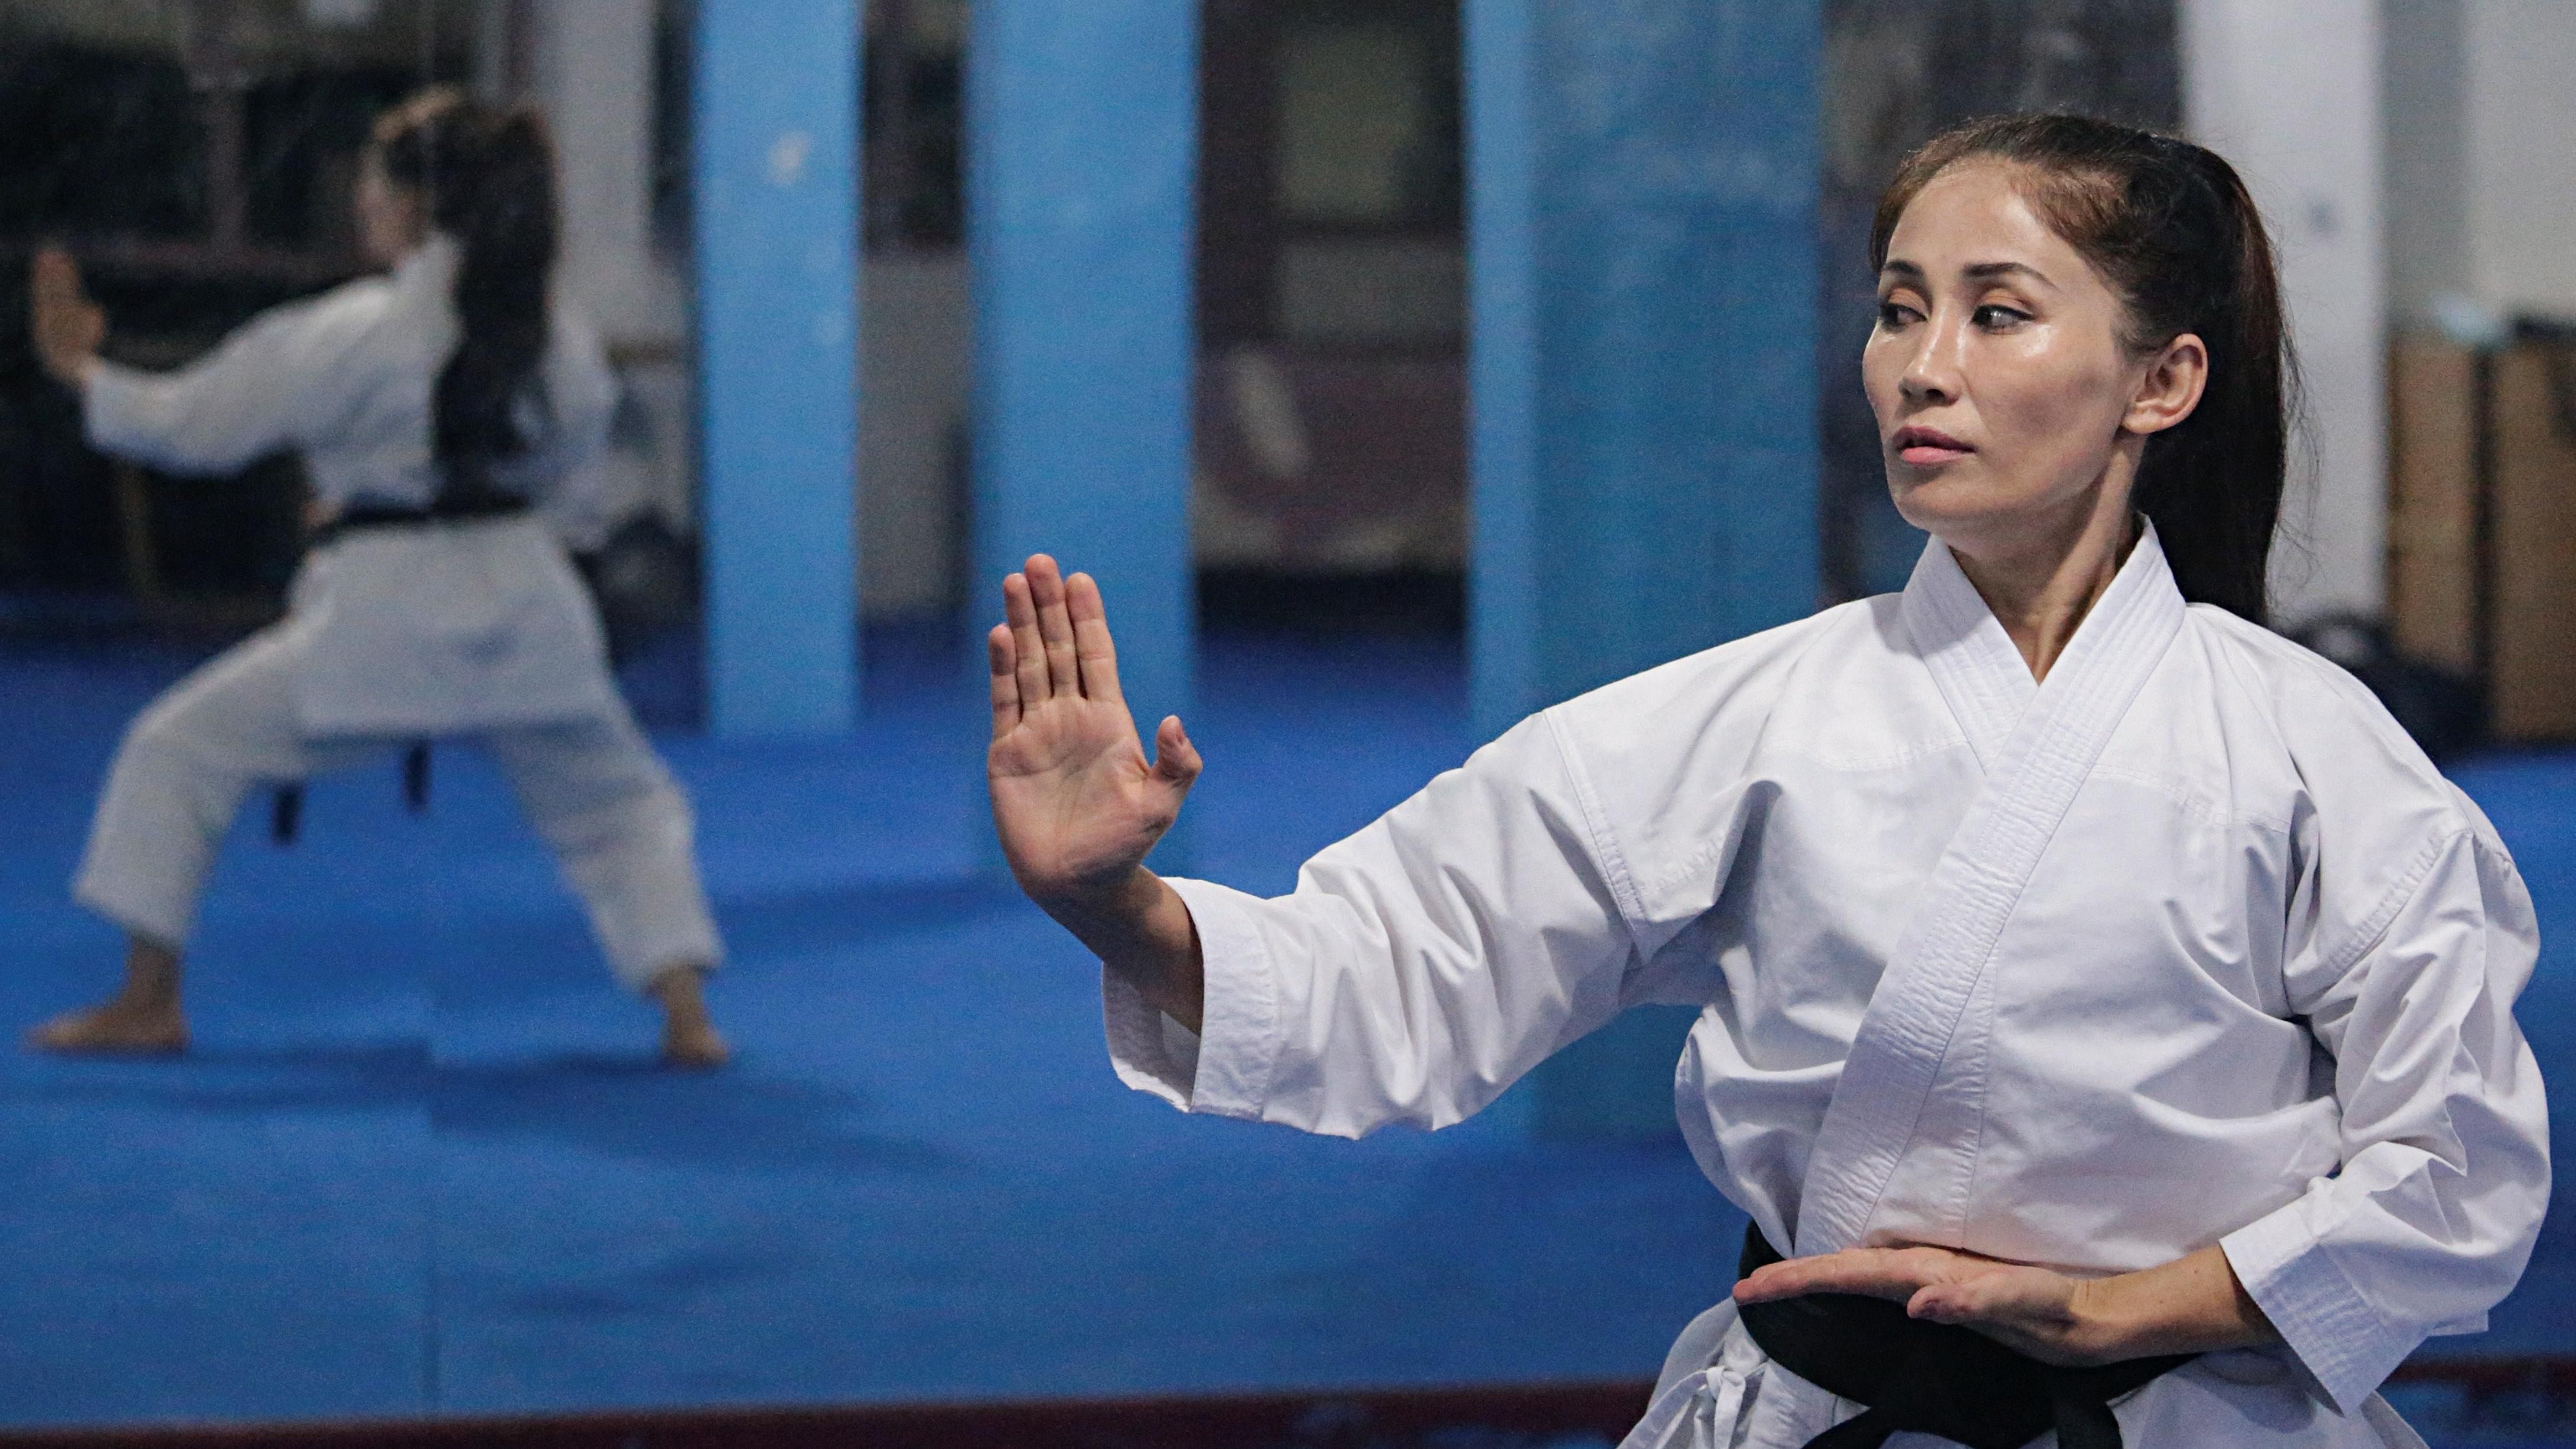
1987,271
1906,271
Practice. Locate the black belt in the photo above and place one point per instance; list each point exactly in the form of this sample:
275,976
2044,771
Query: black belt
361,516
1933,1378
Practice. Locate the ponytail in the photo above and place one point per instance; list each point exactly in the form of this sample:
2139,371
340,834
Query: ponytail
2172,229
488,178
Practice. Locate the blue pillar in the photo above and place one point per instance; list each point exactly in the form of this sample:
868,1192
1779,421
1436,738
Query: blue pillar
1082,133
776,200
1642,244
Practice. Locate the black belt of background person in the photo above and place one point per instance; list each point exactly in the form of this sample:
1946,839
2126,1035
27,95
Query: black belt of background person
286,807
360,516
1933,1378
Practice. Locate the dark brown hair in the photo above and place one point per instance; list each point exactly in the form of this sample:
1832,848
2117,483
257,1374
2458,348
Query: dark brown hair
2172,230
488,177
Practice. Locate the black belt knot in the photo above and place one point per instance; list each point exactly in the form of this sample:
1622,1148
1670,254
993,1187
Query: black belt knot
1933,1378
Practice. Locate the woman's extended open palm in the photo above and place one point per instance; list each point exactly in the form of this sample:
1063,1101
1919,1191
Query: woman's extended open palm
1075,800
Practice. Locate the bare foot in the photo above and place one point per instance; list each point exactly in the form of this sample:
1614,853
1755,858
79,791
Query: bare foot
120,1027
689,1038
694,1045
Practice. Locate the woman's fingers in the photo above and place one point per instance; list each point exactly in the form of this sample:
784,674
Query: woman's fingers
1093,651
1006,685
1055,625
1058,641
1028,651
1894,1274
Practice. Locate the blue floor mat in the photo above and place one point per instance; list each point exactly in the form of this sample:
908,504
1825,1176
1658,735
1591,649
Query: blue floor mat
421,1160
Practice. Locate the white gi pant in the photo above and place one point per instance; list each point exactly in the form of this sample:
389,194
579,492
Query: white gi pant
617,822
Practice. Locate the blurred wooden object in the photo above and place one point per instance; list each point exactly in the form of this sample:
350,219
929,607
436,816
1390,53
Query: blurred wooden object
2532,660
2433,567
2482,521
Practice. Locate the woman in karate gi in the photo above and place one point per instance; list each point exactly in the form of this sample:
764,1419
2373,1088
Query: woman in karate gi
2104,1002
433,407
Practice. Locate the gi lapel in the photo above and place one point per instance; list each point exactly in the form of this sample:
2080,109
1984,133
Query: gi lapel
1981,674
1919,1023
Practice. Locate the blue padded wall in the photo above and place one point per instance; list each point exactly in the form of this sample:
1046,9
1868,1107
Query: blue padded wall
1082,133
776,203
1642,245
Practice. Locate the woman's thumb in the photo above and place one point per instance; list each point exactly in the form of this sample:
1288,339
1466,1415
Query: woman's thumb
1175,758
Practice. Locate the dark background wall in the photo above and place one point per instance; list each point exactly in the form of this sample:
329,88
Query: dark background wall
1896,73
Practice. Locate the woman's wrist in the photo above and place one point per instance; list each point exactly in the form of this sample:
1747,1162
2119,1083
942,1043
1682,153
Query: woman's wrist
73,372
1120,905
2191,1305
1140,929
2108,1325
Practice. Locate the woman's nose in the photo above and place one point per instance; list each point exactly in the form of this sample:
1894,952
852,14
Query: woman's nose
1932,374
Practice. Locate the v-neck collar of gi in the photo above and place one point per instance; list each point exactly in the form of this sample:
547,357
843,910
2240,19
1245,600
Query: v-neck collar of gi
1980,673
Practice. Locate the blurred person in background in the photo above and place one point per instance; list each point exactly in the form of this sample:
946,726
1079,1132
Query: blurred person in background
2107,1011
432,406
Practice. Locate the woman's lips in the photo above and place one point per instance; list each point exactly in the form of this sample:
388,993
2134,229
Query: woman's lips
1929,447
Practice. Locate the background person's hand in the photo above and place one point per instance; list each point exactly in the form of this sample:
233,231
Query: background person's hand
1074,798
65,326
2193,1304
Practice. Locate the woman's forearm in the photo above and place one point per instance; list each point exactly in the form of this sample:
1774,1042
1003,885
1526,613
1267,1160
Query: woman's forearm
2193,1304
1140,928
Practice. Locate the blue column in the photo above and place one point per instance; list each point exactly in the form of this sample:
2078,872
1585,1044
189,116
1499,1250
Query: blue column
1082,133
776,201
1642,243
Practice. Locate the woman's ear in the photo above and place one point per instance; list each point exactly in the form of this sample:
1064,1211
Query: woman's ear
2171,386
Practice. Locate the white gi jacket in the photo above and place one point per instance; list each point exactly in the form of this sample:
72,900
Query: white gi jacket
2187,945
445,628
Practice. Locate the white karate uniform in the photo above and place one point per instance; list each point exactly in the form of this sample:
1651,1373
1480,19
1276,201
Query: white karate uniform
469,627
2187,945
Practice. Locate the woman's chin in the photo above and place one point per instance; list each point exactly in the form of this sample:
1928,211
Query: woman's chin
1944,505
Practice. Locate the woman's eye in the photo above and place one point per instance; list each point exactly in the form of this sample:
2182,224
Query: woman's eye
1892,315
1994,316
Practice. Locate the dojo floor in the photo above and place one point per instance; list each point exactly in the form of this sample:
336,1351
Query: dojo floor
421,1160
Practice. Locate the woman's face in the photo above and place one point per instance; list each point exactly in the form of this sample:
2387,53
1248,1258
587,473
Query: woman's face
1997,371
390,222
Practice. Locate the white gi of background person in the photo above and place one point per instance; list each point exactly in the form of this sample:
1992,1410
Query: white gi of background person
432,407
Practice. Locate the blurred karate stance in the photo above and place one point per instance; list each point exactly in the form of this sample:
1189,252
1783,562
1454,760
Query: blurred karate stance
433,406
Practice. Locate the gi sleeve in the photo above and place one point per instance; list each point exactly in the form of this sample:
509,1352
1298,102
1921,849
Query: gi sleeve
260,391
1420,967
2445,1159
